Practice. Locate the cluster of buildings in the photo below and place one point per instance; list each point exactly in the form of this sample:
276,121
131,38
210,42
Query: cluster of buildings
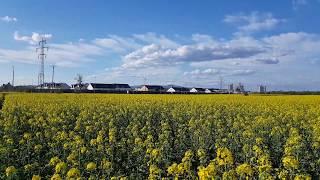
262,89
144,88
114,87
125,88
236,88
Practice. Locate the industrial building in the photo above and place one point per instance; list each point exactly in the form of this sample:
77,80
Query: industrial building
262,89
230,88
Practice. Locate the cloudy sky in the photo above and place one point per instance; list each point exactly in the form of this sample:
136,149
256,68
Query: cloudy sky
190,43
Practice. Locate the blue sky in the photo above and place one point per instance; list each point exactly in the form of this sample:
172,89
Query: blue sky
191,43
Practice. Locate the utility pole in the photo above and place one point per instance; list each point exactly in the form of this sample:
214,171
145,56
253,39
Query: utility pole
221,82
12,75
52,79
42,55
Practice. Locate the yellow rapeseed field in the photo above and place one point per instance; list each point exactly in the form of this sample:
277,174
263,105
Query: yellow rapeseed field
90,136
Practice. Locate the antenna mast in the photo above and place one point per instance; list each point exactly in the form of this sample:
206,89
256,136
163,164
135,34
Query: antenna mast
42,55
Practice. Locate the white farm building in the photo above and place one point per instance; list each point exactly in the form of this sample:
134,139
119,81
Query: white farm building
151,88
108,87
197,90
177,89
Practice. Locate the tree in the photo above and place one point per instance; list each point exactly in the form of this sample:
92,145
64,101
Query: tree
79,79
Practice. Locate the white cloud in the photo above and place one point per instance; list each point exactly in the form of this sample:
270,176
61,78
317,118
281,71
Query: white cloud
242,72
209,71
155,55
268,61
253,22
204,40
226,71
241,58
67,55
295,46
8,19
117,43
152,38
298,3
33,39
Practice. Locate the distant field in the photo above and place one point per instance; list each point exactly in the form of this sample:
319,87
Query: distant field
65,136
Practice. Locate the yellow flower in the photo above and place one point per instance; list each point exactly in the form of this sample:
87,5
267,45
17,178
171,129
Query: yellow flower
172,170
188,154
201,153
83,150
208,172
36,177
138,141
91,166
11,170
100,139
93,142
73,173
37,148
155,153
224,156
180,168
27,136
106,165
153,169
290,162
244,170
302,177
154,172
53,161
72,157
259,140
61,167
112,135
56,177
202,173
28,167
283,174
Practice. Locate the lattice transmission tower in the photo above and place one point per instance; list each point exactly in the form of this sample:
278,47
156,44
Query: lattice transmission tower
41,56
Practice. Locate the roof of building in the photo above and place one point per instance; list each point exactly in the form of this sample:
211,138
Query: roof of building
56,84
109,86
179,88
214,89
199,89
80,85
155,87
